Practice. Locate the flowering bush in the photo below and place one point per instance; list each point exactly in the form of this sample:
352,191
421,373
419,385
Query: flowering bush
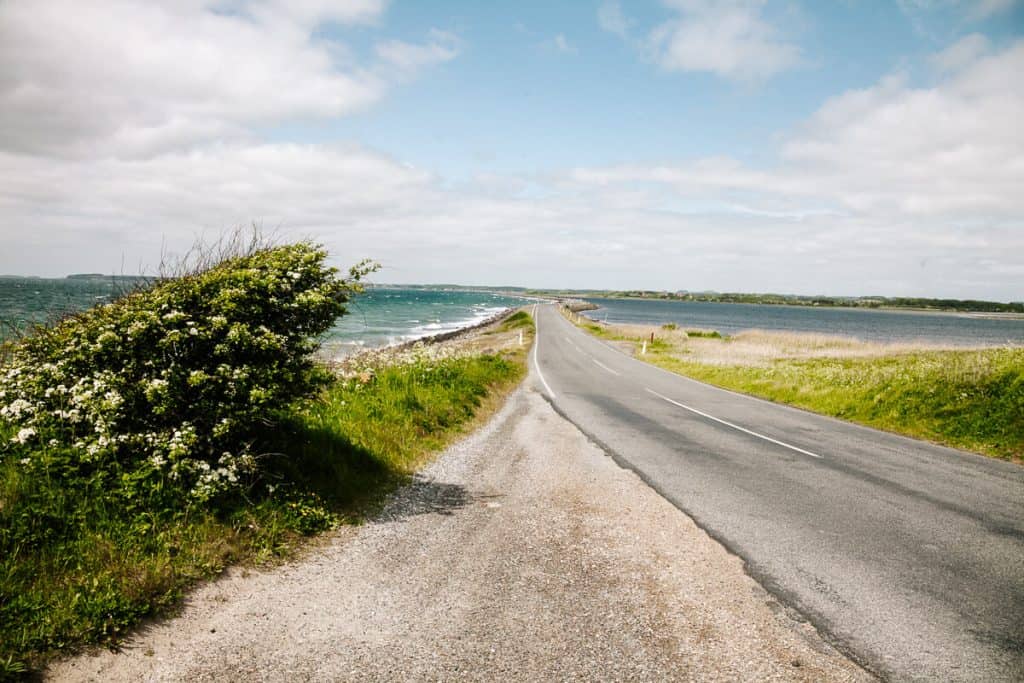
168,386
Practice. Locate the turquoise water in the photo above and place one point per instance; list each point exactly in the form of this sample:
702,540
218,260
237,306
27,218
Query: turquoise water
865,324
381,316
389,315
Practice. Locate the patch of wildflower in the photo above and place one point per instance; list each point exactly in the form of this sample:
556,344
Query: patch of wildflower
173,381
423,354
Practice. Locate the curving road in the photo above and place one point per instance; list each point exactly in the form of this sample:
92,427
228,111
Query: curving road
907,555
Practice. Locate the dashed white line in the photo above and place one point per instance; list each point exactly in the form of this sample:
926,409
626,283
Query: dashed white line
573,345
734,426
536,345
605,367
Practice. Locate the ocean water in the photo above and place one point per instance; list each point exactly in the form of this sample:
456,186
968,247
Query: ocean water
865,324
380,316
390,315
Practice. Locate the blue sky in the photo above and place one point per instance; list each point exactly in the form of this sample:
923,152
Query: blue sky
844,147
515,101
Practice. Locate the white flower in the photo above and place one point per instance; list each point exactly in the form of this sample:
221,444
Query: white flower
15,409
24,434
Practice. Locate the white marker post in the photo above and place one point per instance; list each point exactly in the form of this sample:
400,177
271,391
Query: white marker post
520,337
643,351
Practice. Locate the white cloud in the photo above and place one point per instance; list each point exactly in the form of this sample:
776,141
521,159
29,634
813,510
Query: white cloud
81,78
94,177
928,171
611,19
954,150
310,13
730,38
950,152
963,53
410,57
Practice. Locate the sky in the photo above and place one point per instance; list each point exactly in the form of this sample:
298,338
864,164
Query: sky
850,147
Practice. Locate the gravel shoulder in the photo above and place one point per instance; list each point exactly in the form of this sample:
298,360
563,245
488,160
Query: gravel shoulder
523,553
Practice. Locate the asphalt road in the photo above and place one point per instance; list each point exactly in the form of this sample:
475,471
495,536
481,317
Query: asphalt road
909,557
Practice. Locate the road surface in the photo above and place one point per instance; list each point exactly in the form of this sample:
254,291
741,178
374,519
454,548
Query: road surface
907,556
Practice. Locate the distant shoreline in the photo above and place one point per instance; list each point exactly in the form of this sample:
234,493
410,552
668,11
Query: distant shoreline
872,303
996,315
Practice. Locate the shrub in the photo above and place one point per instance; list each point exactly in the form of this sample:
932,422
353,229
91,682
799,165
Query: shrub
163,390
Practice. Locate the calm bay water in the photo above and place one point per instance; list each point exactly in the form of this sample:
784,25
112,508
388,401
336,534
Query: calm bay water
865,324
381,316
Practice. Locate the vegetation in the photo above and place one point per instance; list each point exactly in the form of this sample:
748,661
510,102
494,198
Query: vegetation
376,425
151,442
966,399
971,399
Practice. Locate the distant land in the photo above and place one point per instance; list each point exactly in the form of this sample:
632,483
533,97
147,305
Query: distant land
101,276
918,303
874,301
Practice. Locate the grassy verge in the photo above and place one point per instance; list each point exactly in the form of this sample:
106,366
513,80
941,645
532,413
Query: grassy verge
102,564
970,399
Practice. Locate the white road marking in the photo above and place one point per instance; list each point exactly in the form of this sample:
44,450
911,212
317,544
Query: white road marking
734,426
602,365
536,345
573,344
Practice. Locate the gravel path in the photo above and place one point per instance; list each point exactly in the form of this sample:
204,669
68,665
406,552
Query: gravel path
522,553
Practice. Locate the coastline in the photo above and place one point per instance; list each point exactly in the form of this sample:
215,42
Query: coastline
999,315
335,359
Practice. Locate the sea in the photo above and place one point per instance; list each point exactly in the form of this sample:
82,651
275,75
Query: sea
381,316
386,315
887,326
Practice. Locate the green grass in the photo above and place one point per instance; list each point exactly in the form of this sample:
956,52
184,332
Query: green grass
359,440
100,565
518,320
967,399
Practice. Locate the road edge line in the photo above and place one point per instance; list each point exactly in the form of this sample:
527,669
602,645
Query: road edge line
734,426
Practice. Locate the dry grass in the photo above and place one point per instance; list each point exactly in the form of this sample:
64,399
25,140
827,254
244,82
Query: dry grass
756,348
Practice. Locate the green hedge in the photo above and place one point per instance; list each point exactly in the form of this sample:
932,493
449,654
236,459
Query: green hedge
164,389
